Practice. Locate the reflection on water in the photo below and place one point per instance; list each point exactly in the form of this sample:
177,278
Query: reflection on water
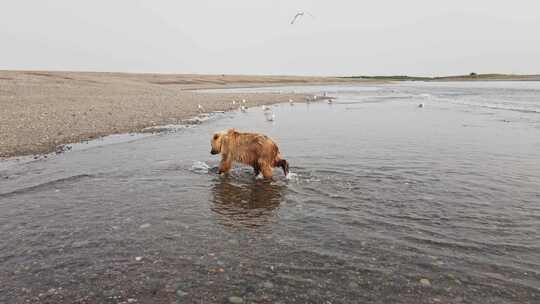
251,204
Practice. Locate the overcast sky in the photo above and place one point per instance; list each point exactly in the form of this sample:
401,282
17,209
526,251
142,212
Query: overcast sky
360,37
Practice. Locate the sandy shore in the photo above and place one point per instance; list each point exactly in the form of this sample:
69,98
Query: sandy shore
42,110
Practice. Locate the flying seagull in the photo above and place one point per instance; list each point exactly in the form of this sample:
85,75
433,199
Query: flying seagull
298,15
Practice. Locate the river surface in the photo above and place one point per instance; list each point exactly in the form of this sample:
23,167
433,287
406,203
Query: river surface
388,202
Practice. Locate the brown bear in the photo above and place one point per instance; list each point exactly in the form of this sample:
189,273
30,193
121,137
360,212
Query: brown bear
253,149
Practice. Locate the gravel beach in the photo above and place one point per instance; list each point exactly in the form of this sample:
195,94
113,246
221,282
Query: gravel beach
41,110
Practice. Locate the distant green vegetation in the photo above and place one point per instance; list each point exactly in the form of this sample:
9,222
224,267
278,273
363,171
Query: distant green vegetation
471,76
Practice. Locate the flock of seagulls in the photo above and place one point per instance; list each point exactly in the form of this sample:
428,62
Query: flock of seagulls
269,115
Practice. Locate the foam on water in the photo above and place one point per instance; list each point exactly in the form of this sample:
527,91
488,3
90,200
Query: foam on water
200,167
292,176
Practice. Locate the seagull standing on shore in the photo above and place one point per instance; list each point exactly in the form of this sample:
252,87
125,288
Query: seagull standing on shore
291,102
200,108
298,15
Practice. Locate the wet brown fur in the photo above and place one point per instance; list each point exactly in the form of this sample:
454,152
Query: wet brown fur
253,149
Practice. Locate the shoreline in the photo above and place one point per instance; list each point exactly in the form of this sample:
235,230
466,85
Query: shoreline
41,111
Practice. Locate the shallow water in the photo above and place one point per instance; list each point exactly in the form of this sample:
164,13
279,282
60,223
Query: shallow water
384,195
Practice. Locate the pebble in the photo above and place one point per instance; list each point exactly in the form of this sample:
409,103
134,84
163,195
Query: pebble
268,285
181,293
425,282
144,226
138,259
353,285
236,300
130,300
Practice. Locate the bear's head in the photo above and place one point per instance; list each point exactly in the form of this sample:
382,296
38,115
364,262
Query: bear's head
219,139
216,142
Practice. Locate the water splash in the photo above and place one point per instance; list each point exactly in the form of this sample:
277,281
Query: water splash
292,176
200,167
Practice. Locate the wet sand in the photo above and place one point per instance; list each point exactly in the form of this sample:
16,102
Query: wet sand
41,110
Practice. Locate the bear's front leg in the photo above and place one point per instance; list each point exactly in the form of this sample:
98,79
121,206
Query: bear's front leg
225,165
256,170
266,171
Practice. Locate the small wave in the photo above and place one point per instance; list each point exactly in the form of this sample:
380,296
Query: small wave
488,105
499,107
200,167
165,128
426,96
46,185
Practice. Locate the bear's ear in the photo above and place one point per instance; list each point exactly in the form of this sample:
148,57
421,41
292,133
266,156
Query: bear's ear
216,136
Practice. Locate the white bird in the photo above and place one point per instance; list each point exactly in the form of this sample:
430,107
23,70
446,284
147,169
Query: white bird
200,108
298,15
243,101
234,102
270,117
291,102
243,108
265,108
330,101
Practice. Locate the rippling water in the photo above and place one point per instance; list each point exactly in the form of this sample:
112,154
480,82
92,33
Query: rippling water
387,203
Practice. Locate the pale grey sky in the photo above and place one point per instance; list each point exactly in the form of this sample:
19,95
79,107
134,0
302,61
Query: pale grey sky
360,37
